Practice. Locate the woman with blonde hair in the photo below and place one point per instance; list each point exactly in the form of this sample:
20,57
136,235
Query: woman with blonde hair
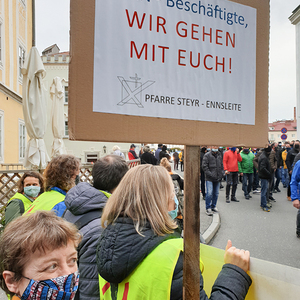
140,252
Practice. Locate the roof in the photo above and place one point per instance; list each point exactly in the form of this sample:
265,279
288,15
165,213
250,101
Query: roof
290,125
59,53
50,47
296,9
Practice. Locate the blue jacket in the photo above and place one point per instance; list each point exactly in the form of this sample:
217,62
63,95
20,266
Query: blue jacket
295,181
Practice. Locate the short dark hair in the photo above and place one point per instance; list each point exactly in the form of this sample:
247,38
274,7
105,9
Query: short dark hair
108,171
159,145
164,148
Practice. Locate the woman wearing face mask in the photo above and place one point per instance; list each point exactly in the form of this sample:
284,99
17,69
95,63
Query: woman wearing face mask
60,176
140,251
30,186
38,257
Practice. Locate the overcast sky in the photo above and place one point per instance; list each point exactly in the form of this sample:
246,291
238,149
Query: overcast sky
53,23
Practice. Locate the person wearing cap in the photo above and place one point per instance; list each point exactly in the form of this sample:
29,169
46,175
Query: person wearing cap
131,153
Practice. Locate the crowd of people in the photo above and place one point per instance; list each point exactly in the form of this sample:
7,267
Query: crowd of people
256,168
117,238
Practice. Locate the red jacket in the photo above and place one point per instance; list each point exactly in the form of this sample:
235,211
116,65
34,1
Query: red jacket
131,156
230,161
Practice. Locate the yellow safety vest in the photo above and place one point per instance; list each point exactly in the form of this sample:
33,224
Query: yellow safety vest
151,279
45,201
23,198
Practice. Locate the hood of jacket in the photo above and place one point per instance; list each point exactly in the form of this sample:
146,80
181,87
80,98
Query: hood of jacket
83,198
121,248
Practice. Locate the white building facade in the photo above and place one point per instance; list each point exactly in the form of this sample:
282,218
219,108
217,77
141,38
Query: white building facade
295,20
57,65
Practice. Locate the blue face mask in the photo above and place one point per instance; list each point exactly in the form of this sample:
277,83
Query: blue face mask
63,287
214,150
173,213
32,191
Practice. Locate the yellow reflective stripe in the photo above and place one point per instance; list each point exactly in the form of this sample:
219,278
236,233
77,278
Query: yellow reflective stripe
105,193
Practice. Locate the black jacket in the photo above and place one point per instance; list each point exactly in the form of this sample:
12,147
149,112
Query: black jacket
264,167
179,180
290,158
297,157
81,200
279,157
121,249
201,159
213,166
163,154
148,158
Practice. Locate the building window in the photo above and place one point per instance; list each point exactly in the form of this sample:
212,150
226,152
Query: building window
91,157
22,140
279,135
66,94
293,135
1,135
21,60
66,129
272,136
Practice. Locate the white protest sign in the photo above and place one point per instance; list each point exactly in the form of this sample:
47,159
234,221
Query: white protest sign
190,60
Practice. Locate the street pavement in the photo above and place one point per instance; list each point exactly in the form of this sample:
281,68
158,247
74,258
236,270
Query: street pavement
269,236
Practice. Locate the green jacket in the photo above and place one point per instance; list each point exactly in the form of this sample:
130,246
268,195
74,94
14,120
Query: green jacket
246,165
16,206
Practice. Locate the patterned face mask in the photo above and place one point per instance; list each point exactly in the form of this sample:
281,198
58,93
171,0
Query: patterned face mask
63,287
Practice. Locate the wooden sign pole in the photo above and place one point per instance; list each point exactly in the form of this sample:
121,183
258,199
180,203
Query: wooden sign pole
191,268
